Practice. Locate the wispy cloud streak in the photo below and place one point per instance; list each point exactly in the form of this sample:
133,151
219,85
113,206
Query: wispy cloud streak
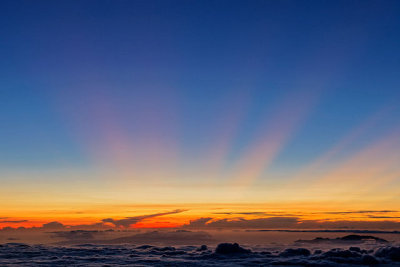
126,222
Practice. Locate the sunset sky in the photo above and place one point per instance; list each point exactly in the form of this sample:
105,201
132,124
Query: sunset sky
273,113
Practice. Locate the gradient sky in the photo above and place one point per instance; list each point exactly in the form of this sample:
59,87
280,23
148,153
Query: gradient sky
287,105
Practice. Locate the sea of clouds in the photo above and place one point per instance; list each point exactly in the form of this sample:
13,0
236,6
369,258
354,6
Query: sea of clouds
226,254
179,247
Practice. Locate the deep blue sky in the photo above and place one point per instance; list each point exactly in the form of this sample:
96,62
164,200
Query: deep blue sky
194,74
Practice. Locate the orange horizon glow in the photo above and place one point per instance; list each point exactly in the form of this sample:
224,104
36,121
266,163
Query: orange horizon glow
303,211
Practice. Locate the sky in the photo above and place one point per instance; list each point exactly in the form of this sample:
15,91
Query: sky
199,109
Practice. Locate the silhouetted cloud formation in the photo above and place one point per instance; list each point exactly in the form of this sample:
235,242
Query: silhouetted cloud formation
13,221
359,212
242,213
283,214
53,226
270,222
126,222
384,217
288,223
345,224
389,221
133,220
198,223
258,213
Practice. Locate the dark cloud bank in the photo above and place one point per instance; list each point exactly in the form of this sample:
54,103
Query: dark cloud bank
293,223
